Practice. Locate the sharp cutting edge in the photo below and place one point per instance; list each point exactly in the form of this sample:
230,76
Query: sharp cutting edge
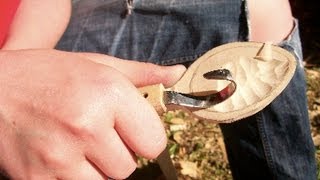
205,101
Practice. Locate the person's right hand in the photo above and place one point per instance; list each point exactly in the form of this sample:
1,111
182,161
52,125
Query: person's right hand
63,116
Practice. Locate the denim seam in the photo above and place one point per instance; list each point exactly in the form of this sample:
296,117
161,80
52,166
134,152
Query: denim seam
189,58
292,39
265,144
247,13
81,30
157,39
184,59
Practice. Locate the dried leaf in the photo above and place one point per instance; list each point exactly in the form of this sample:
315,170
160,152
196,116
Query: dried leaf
177,137
178,127
313,74
316,140
177,121
189,169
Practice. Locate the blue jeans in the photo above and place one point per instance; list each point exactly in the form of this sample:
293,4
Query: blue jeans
272,144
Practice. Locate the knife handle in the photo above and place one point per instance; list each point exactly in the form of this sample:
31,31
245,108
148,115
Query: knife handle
155,95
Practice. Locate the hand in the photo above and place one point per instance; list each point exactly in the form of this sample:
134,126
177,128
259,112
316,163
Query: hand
63,116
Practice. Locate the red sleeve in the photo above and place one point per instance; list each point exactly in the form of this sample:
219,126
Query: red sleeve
7,11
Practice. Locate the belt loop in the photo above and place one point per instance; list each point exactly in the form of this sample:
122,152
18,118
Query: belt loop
129,6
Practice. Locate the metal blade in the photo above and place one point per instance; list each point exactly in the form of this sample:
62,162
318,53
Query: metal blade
198,101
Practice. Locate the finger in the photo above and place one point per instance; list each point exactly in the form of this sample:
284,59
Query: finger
139,125
140,73
135,121
109,154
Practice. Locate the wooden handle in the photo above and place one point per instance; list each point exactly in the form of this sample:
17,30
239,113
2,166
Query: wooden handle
154,94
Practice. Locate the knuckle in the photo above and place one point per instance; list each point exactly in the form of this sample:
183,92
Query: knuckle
54,160
83,131
109,80
50,155
113,88
105,77
154,75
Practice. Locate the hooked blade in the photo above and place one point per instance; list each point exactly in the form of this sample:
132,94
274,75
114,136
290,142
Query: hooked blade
204,101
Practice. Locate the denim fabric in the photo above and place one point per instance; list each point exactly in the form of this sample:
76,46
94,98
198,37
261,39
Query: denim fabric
274,143
162,32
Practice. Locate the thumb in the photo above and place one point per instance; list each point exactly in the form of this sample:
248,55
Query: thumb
140,73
